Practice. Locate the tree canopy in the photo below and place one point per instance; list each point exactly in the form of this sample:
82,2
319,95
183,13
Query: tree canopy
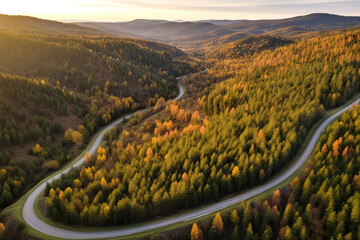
257,120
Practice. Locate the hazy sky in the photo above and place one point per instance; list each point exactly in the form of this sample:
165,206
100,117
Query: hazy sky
123,10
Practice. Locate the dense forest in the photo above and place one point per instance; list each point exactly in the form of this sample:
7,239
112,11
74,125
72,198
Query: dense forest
26,106
108,76
126,67
322,203
248,46
28,112
103,76
57,90
257,120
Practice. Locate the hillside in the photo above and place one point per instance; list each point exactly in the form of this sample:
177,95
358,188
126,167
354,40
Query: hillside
311,22
31,111
239,125
57,90
81,63
248,46
25,24
323,202
164,31
257,119
292,31
198,34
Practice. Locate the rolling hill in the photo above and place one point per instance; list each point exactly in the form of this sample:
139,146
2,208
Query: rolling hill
25,24
248,46
192,35
59,83
311,22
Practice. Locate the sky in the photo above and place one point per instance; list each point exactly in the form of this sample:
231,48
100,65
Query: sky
125,10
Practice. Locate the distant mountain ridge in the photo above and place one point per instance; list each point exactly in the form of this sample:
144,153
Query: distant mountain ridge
26,24
201,33
314,22
191,36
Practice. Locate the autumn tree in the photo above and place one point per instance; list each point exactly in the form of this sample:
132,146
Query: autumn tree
324,149
234,217
276,198
261,134
77,137
336,148
217,224
159,104
196,233
2,229
195,116
185,177
249,232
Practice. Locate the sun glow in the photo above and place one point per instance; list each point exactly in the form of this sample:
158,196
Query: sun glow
120,10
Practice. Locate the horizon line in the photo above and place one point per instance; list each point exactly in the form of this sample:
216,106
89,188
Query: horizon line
179,20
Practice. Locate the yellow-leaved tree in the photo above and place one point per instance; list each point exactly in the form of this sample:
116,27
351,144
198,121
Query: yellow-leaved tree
2,229
196,233
217,224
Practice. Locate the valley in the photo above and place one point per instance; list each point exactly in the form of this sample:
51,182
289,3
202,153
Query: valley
100,138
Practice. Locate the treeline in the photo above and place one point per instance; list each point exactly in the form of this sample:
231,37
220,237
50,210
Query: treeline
323,203
258,119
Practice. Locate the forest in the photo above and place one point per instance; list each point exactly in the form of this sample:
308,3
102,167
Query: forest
57,90
104,77
248,46
127,67
322,203
27,111
257,118
237,126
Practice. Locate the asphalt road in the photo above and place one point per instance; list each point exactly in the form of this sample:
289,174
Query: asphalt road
31,218
29,214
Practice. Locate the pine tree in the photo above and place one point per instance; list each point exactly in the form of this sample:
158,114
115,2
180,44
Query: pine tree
234,217
267,234
217,224
303,234
249,232
355,213
235,235
196,233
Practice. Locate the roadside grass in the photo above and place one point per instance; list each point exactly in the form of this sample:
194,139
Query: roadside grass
16,209
184,88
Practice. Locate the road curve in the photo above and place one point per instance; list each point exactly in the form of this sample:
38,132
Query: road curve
31,218
28,212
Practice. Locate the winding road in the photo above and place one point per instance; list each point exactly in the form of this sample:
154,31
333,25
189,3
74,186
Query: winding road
33,221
